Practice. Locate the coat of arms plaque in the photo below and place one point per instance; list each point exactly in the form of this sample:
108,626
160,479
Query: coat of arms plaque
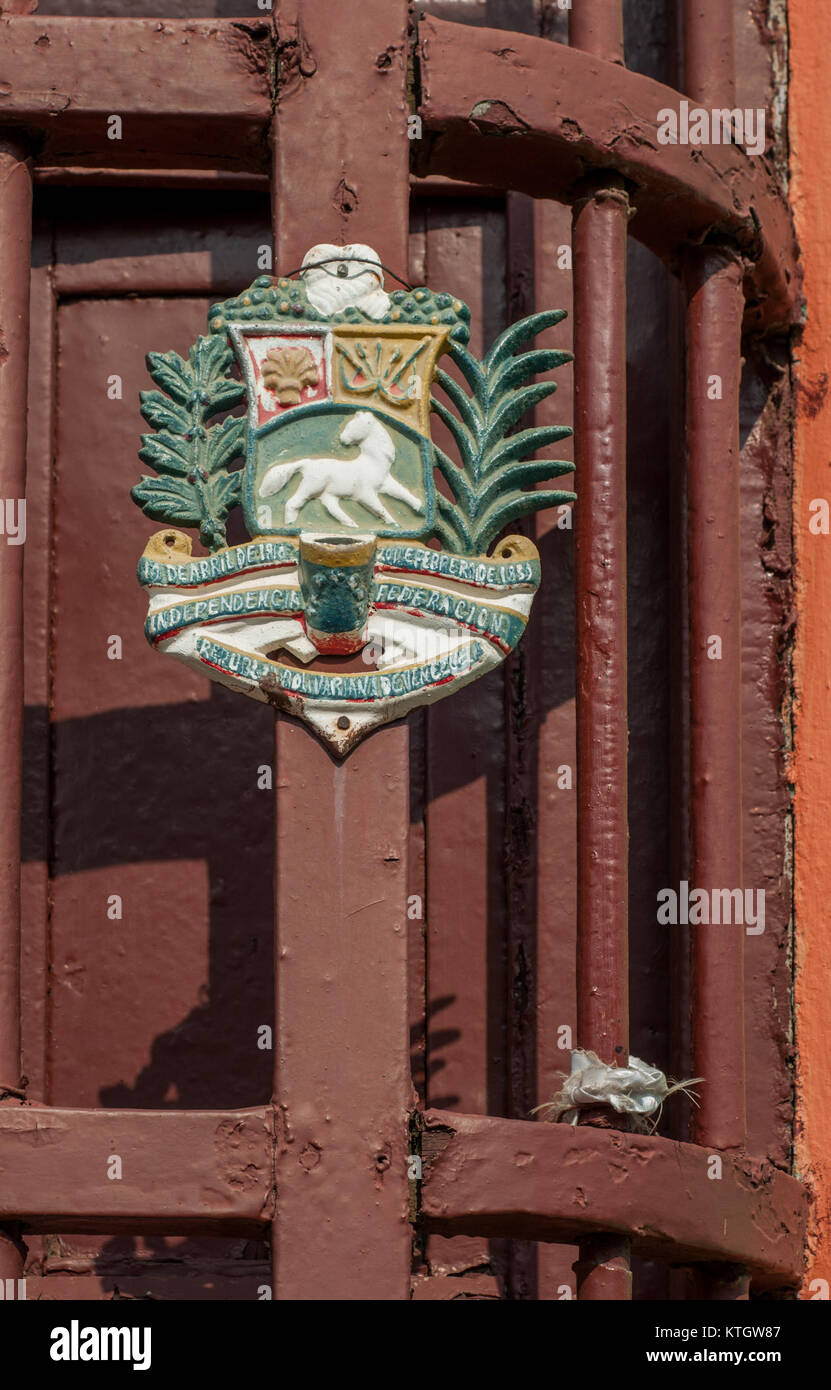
367,586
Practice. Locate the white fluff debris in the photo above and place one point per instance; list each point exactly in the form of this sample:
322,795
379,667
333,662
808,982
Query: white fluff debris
636,1089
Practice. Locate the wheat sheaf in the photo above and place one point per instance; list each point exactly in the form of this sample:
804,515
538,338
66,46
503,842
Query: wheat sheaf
287,370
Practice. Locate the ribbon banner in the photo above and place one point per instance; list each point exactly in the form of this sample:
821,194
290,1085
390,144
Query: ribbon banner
434,621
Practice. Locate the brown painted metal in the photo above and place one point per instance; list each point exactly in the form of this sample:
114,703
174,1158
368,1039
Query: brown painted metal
206,247
215,108
15,239
596,27
713,283
195,93
342,1084
708,52
83,979
342,1081
191,860
559,112
599,244
34,874
543,810
482,1174
15,242
465,795
604,1269
550,1182
526,939
767,622
207,1171
600,529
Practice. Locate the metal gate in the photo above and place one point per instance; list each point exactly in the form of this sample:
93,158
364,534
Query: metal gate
463,921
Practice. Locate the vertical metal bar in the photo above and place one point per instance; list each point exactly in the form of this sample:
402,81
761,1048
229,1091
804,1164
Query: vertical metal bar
599,257
708,52
599,248
713,286
15,257
600,443
342,1080
714,307
548,725
341,1060
713,290
597,27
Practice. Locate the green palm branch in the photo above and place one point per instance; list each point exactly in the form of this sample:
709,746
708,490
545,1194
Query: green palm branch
195,486
490,486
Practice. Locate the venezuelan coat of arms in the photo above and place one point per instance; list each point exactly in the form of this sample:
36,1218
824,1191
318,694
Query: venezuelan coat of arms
367,586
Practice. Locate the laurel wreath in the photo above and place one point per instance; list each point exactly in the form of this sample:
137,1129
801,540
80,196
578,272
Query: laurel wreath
489,485
195,486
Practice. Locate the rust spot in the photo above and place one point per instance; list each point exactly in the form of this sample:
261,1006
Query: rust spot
43,41
812,395
384,60
498,118
252,41
310,1157
435,1137
345,198
295,59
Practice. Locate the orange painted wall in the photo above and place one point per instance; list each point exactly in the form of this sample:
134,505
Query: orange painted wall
810,136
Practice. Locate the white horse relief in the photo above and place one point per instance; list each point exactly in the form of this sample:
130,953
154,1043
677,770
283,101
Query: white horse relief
360,479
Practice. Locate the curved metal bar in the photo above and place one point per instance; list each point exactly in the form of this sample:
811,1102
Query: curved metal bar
527,1180
514,111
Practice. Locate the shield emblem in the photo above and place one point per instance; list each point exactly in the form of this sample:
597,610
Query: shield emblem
365,590
338,437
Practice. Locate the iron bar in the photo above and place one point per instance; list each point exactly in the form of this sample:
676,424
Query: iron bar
341,1080
599,250
708,52
15,258
713,286
596,26
526,141
516,1178
713,282
599,240
600,518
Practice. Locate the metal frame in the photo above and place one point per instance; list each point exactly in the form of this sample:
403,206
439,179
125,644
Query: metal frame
206,85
